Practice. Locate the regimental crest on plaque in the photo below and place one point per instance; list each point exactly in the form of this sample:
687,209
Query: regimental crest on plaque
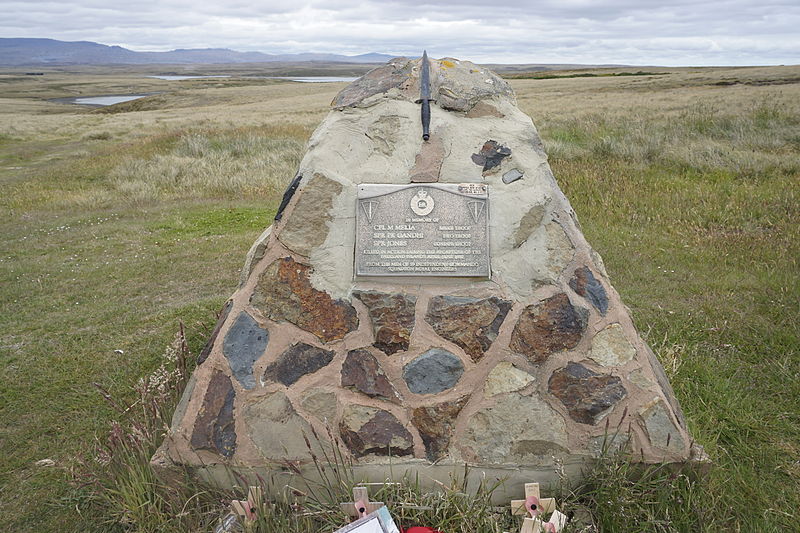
421,203
434,230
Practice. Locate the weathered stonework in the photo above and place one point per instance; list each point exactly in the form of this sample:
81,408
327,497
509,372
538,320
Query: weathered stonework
471,323
512,367
516,429
505,377
610,347
585,284
434,371
297,361
307,228
277,430
435,425
660,428
551,326
587,395
321,404
371,431
392,317
214,426
284,293
244,343
362,372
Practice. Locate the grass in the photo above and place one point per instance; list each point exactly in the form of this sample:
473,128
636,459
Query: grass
687,187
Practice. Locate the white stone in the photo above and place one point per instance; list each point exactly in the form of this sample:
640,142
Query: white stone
505,377
610,347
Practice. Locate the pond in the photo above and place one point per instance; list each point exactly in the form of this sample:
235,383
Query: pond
105,100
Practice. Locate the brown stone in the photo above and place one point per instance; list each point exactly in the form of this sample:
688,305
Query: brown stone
482,109
284,293
587,395
435,425
548,327
392,317
297,361
471,323
429,161
362,372
214,427
367,430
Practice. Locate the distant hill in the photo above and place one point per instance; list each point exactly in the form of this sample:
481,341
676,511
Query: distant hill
33,52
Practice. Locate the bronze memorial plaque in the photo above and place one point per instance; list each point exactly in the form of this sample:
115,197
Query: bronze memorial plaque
432,229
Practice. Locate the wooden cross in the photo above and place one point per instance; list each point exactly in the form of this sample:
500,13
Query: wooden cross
246,509
534,506
360,506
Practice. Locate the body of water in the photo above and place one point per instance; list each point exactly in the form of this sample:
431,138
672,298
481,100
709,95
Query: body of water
106,100
179,78
314,79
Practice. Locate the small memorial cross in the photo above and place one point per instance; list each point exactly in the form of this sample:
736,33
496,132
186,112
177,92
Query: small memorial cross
246,509
536,507
360,506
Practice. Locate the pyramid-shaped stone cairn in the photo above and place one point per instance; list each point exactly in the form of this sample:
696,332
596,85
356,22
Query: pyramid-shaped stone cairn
431,303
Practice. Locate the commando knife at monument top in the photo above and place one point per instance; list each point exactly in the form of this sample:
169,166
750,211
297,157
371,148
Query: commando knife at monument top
425,96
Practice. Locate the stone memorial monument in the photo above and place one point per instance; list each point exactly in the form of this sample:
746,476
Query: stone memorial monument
426,296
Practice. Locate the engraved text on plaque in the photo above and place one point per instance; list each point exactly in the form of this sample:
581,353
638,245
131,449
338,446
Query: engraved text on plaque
422,230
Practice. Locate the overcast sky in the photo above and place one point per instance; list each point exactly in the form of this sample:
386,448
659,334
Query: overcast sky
638,32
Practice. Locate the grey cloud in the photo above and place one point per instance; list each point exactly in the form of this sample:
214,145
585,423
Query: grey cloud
584,31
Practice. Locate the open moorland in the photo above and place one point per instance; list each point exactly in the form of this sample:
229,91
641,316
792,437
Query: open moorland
120,222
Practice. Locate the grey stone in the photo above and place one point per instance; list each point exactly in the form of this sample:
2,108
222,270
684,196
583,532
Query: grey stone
321,404
434,371
610,346
244,343
254,255
307,225
585,284
607,445
277,430
638,378
461,85
297,361
512,175
505,377
516,429
660,429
